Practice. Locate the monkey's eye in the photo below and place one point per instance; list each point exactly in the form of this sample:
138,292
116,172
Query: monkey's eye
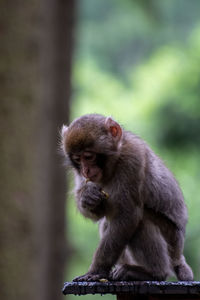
76,159
90,156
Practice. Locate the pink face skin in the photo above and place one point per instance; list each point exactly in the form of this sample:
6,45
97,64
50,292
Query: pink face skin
89,169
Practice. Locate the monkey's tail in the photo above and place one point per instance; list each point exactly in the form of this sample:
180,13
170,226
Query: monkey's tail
183,270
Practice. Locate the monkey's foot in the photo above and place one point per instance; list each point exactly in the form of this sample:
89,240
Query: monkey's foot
91,277
184,272
127,272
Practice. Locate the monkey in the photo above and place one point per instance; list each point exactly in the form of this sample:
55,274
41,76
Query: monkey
125,187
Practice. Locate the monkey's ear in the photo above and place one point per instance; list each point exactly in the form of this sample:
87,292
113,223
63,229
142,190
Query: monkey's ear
114,128
63,130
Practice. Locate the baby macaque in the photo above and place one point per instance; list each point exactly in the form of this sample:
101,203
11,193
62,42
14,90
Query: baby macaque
123,184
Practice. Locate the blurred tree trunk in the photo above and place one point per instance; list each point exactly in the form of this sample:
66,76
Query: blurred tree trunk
55,59
35,66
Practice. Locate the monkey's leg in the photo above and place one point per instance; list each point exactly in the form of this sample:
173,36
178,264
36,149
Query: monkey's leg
115,236
175,240
130,272
181,268
126,268
150,250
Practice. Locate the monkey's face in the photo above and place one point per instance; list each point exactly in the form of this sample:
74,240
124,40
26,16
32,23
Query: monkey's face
86,163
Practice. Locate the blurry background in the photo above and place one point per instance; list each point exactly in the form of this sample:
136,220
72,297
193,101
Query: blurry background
138,61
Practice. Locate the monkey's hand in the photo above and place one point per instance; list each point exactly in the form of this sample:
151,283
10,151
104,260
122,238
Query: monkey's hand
90,276
92,199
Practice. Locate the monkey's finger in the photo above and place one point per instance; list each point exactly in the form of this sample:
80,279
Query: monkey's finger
86,277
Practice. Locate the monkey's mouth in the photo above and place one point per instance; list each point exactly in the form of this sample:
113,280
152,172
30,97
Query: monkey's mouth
95,178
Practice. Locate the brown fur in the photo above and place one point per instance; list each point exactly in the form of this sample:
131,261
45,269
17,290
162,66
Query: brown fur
142,223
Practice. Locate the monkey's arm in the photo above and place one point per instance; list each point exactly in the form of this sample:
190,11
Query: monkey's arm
90,200
118,233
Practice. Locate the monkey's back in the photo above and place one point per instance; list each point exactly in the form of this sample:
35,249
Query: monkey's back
160,190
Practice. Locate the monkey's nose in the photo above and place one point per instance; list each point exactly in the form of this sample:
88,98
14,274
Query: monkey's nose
85,172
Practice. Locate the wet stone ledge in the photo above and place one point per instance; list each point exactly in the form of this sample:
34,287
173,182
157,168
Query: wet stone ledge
137,289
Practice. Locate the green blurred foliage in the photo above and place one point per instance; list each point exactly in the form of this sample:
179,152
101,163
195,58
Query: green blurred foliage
141,66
